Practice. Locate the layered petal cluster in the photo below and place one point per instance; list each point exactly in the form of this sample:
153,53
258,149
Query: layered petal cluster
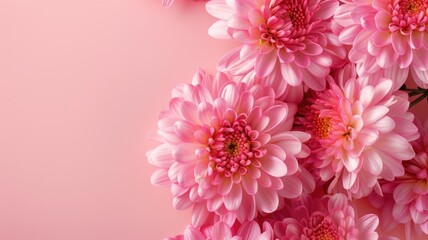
387,36
411,191
248,231
227,148
360,133
288,41
330,217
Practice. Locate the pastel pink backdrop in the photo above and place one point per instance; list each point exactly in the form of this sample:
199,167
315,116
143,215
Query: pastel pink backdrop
81,85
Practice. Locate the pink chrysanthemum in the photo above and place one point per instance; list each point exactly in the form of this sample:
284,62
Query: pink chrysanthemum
286,40
386,35
329,218
249,231
228,148
411,191
360,133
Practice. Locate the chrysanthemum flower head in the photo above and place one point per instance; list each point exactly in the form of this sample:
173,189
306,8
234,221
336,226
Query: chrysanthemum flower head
411,190
249,231
288,38
228,148
330,217
360,133
387,34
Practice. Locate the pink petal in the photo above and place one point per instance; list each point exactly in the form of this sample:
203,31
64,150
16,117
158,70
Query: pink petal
399,43
343,15
230,93
245,103
368,136
185,153
351,163
182,202
255,17
160,178
348,34
327,9
403,193
285,57
250,185
267,200
249,230
225,186
404,62
372,162
381,38
387,57
190,111
416,39
191,233
395,72
348,179
232,201
419,59
265,63
221,231
200,215
219,30
381,90
301,60
292,74
313,49
384,125
205,113
292,187
418,217
383,19
368,223
184,130
397,145
167,3
401,213
366,95
289,143
420,77
277,114
374,114
380,4
219,9
273,166
214,203
161,156
238,22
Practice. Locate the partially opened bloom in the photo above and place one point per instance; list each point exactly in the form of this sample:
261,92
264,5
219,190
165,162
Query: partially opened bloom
247,231
387,35
228,148
411,190
360,134
325,218
286,40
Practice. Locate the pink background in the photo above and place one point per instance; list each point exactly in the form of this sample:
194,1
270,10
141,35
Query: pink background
81,85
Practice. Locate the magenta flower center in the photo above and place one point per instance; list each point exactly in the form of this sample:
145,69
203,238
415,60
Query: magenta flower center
408,16
412,7
288,23
233,147
321,228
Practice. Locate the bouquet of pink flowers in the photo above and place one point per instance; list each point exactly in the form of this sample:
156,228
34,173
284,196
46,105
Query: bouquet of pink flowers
310,113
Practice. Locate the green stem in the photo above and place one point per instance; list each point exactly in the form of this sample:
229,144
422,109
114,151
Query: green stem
420,98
